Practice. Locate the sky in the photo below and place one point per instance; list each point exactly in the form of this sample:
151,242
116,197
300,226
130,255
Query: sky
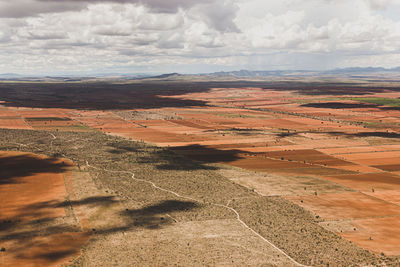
196,36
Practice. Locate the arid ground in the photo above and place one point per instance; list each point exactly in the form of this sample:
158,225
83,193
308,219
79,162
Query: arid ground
178,173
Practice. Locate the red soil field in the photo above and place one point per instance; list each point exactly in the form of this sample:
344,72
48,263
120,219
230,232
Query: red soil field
8,112
337,144
359,168
388,167
213,120
380,235
243,143
191,124
308,155
392,195
51,112
360,149
262,147
32,188
16,123
225,143
329,143
240,158
283,123
372,161
373,155
350,205
23,192
367,182
154,123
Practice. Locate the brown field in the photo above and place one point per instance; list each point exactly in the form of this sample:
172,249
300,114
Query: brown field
368,181
32,190
361,149
380,235
308,145
342,206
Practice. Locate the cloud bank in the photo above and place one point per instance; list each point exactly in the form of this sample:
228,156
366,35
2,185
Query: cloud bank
44,36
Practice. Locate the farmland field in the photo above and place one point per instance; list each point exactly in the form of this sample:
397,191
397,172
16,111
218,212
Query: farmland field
200,173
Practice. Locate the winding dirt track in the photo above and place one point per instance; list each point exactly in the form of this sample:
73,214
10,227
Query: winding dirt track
215,204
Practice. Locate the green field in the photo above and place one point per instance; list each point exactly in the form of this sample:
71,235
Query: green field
392,102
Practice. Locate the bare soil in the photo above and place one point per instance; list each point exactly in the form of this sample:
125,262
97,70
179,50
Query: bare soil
131,219
307,167
37,225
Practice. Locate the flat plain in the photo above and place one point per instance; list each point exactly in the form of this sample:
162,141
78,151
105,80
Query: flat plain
170,172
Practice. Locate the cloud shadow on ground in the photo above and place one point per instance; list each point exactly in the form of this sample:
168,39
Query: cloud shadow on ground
13,168
151,94
191,157
152,216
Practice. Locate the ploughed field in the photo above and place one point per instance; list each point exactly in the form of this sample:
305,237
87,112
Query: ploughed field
293,160
38,228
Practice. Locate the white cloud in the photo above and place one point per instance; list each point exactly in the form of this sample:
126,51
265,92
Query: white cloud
379,4
218,14
46,35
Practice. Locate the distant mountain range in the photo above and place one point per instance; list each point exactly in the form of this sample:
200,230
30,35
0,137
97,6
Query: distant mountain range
9,75
72,78
349,72
345,71
359,70
258,73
